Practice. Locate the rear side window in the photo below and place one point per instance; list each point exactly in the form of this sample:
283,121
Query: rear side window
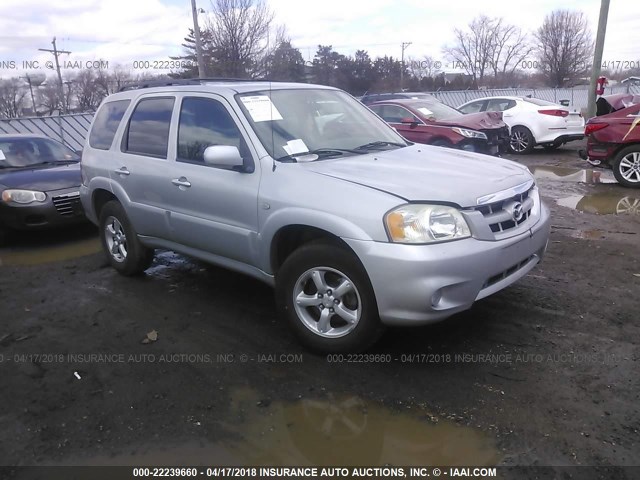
148,130
106,123
500,104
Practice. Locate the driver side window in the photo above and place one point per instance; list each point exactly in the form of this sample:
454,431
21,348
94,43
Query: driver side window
205,122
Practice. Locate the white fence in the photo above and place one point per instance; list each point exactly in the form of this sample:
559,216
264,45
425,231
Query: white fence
577,97
72,129
68,129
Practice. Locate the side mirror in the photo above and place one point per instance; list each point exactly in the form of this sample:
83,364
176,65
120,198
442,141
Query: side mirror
223,155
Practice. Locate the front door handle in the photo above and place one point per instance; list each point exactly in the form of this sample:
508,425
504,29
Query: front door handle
181,182
122,171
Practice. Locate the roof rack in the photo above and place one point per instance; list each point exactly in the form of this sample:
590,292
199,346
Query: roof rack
185,81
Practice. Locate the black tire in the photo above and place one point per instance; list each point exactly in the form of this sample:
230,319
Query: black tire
627,161
137,257
521,140
356,336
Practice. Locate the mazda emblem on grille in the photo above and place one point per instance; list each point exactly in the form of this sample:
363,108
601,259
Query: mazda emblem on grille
517,211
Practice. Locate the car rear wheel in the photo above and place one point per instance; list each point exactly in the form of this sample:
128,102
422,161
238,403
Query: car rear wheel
325,293
521,140
120,242
626,167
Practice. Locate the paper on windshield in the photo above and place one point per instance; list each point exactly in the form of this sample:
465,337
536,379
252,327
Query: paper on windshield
261,108
2,157
295,146
425,111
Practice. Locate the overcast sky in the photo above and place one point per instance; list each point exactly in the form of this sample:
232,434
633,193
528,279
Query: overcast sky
122,31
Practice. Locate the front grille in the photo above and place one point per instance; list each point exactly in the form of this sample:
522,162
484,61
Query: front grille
497,136
506,273
500,215
68,204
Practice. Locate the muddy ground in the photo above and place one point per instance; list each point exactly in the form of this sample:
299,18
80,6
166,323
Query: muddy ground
545,372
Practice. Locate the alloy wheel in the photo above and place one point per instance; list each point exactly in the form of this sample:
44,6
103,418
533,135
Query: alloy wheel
116,239
327,302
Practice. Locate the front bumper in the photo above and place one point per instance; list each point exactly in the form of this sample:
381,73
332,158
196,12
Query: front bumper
65,210
419,284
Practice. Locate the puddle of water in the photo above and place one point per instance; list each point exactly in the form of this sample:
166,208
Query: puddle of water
603,204
593,234
47,254
332,430
564,174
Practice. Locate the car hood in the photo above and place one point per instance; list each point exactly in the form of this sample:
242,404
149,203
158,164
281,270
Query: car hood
42,178
475,121
427,173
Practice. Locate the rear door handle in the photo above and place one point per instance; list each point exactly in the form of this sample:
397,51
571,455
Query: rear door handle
181,182
122,171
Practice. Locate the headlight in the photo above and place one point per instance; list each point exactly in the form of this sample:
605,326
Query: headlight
465,132
419,223
23,196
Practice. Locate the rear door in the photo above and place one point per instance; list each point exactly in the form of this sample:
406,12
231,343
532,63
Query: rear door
142,169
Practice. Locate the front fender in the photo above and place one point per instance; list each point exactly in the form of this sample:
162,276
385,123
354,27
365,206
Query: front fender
333,224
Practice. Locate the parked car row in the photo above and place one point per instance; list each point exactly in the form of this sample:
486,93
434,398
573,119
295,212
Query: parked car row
523,122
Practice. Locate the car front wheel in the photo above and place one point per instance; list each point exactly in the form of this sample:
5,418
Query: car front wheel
325,293
120,242
626,167
521,140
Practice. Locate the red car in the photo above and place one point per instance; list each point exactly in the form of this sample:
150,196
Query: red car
427,120
613,139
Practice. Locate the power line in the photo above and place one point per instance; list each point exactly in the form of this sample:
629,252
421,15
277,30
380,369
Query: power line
56,54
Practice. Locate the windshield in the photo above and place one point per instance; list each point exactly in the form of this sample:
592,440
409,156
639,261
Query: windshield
296,121
436,110
27,152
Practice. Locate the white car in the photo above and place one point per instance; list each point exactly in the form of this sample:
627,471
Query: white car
532,121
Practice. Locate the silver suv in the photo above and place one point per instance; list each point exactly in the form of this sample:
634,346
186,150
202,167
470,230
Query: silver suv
304,188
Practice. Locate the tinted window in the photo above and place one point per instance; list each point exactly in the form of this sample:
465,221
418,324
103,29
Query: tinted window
148,132
472,107
106,123
395,114
205,122
500,105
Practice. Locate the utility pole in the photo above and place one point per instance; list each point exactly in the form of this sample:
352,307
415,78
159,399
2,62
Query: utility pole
202,72
597,57
404,46
56,53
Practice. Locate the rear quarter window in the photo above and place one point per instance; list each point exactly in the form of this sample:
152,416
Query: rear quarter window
106,123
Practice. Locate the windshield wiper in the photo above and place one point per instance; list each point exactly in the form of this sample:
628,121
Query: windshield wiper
378,145
320,153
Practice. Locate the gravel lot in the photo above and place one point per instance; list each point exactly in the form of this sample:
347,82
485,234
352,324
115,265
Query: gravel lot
542,373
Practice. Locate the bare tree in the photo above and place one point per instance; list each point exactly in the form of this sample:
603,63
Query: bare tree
472,49
49,96
239,30
12,93
488,45
564,46
426,67
508,47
